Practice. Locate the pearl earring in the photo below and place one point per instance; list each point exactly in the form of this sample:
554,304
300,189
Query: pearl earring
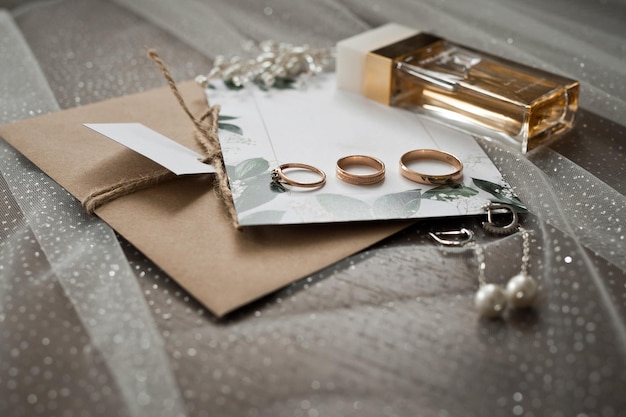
492,300
521,290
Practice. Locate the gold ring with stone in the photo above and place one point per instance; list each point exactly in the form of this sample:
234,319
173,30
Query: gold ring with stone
278,175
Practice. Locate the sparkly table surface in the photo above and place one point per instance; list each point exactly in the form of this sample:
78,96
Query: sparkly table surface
89,326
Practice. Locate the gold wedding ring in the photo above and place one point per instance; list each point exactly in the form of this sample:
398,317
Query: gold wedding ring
431,154
360,179
279,176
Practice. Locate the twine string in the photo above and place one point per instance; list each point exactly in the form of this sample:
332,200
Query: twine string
124,187
205,135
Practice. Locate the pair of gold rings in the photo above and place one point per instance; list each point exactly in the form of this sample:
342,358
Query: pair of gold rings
278,175
406,159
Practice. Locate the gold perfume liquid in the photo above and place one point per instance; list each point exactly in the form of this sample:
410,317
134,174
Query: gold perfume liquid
471,90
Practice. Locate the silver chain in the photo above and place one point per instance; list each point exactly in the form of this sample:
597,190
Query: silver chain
480,258
482,265
525,250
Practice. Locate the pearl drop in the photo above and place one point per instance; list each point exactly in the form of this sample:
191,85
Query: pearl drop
521,290
490,300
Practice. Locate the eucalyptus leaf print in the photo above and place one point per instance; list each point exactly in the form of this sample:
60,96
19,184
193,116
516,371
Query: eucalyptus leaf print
228,126
250,182
449,192
231,128
250,168
341,207
255,192
398,205
501,194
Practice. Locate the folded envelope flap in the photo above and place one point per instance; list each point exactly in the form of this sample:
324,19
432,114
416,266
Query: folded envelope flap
181,225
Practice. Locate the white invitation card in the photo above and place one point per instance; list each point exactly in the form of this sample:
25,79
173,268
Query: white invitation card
317,124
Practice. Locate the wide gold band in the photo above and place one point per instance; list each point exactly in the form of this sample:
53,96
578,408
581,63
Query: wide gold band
360,179
279,176
430,179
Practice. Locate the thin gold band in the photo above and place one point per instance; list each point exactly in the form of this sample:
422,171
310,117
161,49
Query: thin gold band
279,176
360,160
431,154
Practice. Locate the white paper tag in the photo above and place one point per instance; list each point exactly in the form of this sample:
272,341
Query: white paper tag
153,145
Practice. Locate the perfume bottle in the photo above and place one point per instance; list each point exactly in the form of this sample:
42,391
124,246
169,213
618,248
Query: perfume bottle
471,90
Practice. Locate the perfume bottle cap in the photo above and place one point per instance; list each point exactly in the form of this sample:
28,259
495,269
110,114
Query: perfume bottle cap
352,53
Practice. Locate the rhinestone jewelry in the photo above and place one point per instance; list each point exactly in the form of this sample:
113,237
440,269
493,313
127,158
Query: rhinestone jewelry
274,63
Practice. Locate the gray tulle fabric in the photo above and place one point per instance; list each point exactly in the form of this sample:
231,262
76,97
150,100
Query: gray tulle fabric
89,326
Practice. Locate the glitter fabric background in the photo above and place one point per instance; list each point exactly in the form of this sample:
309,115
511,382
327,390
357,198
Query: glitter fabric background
90,327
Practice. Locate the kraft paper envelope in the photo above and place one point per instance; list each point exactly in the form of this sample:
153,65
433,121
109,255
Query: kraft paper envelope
181,225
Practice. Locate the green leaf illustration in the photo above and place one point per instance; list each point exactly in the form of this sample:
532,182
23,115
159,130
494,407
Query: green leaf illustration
449,192
255,192
398,205
231,128
250,168
344,208
228,126
262,217
501,194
